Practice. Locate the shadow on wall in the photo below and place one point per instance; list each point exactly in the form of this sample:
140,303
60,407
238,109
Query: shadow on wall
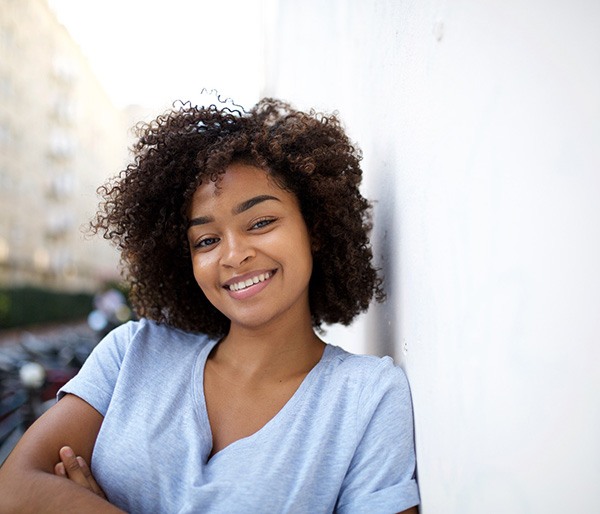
383,324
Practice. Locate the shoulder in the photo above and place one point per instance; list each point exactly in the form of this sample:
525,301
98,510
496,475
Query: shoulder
367,371
149,331
147,337
149,328
133,355
368,382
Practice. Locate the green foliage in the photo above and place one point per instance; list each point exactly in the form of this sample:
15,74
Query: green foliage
24,306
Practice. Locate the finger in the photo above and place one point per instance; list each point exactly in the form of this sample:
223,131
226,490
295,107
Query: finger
90,478
72,467
60,470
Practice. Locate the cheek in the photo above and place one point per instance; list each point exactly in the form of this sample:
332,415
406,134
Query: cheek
201,265
301,251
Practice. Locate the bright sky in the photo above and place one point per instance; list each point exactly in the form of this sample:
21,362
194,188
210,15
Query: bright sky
151,52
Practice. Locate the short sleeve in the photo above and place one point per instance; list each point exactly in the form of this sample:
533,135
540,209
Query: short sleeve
382,474
96,380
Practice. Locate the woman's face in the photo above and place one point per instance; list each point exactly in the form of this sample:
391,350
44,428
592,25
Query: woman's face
250,247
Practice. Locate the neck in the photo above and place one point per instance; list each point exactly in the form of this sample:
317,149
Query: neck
276,352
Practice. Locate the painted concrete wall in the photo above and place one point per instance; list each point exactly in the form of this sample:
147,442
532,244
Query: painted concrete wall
480,126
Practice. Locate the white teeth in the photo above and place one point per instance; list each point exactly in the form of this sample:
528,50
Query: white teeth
250,282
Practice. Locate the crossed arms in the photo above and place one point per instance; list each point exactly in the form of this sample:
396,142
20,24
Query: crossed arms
28,479
31,480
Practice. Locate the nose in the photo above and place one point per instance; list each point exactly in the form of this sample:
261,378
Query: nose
236,250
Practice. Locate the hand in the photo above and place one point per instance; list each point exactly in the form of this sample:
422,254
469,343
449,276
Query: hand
76,469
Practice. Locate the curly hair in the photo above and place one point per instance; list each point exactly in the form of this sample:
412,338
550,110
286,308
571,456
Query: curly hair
144,208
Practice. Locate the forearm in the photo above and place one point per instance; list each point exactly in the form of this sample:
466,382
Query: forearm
38,491
27,479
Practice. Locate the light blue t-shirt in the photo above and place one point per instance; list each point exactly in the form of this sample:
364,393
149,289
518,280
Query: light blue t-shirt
342,443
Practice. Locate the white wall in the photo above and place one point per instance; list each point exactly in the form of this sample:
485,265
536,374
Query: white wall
480,125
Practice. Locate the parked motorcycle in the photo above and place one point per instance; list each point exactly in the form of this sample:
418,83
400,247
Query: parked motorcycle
31,373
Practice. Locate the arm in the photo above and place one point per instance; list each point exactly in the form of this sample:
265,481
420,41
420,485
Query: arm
381,475
27,479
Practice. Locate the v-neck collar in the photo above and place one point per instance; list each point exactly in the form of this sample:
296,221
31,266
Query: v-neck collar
202,411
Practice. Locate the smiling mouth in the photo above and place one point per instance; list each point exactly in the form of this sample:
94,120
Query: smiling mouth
244,284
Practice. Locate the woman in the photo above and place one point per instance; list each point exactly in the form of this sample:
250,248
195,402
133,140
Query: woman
241,233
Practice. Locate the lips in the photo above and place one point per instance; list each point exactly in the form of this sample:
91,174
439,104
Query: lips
245,281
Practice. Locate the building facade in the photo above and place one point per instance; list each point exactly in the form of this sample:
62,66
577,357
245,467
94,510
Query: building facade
60,138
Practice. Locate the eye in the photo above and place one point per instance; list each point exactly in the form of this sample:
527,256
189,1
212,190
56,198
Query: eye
206,242
262,223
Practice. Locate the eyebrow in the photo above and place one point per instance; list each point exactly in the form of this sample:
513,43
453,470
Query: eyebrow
238,209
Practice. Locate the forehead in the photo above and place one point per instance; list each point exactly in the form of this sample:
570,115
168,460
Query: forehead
238,183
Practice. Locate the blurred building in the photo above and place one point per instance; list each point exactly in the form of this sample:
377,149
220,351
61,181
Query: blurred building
60,138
